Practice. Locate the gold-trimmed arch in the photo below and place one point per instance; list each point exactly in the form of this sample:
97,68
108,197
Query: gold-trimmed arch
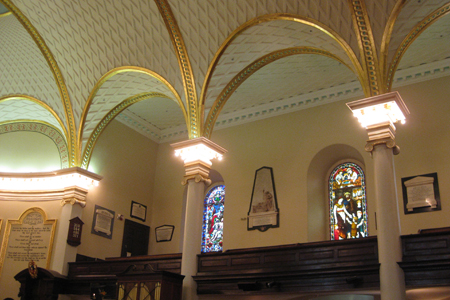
108,118
193,111
274,17
125,69
387,34
367,48
40,103
71,133
411,37
249,70
41,127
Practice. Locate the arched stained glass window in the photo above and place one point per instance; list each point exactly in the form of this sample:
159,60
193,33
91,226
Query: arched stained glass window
212,233
348,205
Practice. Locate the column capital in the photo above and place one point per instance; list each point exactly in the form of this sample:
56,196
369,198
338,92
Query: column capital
378,114
383,133
197,155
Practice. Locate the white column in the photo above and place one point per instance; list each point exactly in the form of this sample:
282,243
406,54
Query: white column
197,155
192,237
64,253
392,282
378,115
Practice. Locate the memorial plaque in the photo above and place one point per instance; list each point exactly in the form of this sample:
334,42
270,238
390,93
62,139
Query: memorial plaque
103,222
26,239
263,213
421,193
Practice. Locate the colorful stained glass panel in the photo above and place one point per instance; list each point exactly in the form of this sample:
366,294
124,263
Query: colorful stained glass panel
348,205
212,234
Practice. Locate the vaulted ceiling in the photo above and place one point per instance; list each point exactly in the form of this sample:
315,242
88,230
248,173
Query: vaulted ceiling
181,69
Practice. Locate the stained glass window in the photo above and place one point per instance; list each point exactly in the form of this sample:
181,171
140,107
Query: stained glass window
212,234
348,205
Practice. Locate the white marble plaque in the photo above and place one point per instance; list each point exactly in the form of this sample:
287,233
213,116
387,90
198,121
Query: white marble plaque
420,192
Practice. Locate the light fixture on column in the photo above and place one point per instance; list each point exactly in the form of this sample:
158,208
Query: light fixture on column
379,109
197,155
378,115
68,185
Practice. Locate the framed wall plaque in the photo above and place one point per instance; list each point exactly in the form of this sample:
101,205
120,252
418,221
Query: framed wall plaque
103,222
164,233
138,211
421,193
263,212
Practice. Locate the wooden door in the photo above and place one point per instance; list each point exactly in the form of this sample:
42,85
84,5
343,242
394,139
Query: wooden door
135,239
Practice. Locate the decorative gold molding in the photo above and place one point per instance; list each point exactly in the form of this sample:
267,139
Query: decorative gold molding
187,74
366,47
40,127
250,70
273,17
5,14
114,72
410,38
71,136
38,102
387,34
108,118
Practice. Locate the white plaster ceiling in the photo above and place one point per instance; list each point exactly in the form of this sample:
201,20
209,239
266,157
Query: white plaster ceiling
108,51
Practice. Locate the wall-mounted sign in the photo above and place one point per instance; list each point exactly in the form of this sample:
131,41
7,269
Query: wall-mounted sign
138,211
103,222
164,233
30,238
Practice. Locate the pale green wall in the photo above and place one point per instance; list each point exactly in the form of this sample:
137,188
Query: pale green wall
126,160
24,152
28,152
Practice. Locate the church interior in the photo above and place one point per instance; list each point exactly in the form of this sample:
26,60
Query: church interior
117,98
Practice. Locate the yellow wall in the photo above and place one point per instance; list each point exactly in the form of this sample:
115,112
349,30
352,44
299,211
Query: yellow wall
301,147
291,145
126,160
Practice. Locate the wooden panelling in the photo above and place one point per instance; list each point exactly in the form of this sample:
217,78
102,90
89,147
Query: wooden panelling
83,274
426,258
114,266
323,266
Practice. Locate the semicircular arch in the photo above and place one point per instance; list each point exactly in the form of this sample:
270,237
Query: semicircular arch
114,112
249,70
118,84
27,107
40,127
415,33
317,182
275,17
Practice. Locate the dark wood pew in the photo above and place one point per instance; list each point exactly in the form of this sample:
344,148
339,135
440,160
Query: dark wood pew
312,267
426,258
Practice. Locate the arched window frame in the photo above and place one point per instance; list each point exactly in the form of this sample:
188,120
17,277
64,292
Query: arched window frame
352,229
207,245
